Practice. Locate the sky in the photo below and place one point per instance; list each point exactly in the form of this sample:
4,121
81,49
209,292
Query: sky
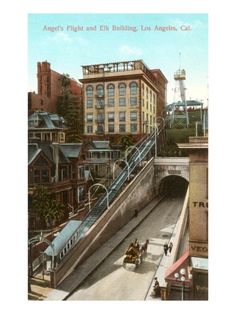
164,41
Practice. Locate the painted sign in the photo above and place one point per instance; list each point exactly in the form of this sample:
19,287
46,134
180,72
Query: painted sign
198,249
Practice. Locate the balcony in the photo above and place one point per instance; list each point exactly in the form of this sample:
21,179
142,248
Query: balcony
100,106
99,96
100,130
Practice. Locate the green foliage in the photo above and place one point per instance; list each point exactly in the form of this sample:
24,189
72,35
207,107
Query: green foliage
68,108
126,141
173,136
49,210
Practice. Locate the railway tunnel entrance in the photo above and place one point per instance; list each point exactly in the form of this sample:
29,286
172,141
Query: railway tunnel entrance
173,186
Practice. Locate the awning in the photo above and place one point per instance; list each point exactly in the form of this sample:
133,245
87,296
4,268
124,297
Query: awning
182,262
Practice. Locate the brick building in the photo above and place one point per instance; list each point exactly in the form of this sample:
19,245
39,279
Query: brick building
49,88
122,97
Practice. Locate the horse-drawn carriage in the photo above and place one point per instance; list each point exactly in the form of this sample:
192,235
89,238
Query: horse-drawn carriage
135,253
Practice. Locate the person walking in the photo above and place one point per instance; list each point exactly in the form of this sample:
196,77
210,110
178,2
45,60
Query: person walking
156,287
170,247
165,248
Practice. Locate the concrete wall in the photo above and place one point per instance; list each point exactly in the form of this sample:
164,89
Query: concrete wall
172,166
136,195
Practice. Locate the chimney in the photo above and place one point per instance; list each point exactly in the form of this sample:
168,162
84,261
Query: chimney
55,149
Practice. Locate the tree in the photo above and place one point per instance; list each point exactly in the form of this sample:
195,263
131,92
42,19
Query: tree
48,209
126,141
67,106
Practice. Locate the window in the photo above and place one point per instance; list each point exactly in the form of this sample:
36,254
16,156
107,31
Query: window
100,104
111,128
111,90
89,91
133,101
89,117
63,173
100,129
122,102
122,89
45,175
89,103
121,128
89,129
36,176
133,88
40,175
146,93
111,117
122,116
80,172
133,127
100,117
133,116
100,90
150,96
111,102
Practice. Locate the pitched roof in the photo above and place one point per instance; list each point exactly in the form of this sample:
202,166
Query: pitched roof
101,144
45,120
71,150
35,148
33,151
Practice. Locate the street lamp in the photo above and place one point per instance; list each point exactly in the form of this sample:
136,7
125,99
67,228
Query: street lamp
113,168
103,186
182,277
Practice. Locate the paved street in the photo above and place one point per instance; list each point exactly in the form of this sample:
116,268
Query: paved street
111,281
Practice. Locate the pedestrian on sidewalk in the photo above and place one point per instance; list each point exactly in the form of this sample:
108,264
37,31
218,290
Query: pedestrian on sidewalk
170,247
165,248
156,287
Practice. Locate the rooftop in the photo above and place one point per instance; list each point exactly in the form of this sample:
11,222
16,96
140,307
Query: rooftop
45,120
112,68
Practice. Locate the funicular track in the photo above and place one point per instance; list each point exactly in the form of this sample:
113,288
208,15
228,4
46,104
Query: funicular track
144,147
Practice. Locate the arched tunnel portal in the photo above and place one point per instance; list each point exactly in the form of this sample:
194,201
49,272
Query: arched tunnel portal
173,186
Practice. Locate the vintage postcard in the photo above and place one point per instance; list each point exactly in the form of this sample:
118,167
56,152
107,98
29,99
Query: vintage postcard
118,157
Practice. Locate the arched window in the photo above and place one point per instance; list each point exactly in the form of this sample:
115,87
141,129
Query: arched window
111,90
133,88
89,91
100,90
122,89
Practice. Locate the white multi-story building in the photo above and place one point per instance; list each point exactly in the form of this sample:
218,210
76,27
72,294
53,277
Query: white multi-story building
122,97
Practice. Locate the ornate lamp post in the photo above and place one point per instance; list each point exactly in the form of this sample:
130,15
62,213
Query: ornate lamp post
182,277
113,168
130,148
